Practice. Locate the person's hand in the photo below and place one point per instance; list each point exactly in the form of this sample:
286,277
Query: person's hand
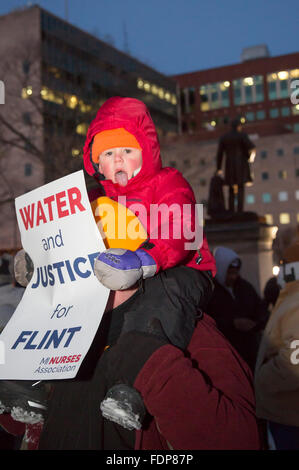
23,268
244,324
120,269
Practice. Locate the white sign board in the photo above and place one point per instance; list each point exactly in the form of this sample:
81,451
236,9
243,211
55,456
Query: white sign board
61,309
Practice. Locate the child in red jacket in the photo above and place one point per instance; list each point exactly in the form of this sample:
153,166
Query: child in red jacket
122,151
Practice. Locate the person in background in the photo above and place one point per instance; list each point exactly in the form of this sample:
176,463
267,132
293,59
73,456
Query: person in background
235,305
277,366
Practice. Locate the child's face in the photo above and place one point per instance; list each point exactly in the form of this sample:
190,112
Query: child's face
118,164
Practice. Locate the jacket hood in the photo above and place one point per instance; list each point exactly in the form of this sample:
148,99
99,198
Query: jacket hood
223,257
132,115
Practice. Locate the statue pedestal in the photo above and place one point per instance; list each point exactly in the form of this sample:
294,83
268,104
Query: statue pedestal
251,240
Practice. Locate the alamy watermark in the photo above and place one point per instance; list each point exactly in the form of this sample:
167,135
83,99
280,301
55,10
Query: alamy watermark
295,94
2,92
161,221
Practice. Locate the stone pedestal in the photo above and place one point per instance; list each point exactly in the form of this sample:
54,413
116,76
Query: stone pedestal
252,241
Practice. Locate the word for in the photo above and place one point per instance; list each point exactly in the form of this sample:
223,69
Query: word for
54,241
61,311
52,207
44,341
64,270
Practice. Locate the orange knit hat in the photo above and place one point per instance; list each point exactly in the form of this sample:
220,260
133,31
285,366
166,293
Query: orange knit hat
111,139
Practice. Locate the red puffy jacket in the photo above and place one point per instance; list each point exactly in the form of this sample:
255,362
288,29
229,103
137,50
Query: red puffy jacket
153,185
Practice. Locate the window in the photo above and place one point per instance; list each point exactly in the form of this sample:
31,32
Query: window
249,116
295,110
265,175
274,113
282,196
297,172
282,174
296,150
297,216
284,218
266,197
285,111
248,90
297,194
202,162
214,95
263,154
27,169
250,198
202,182
269,219
173,164
187,163
260,114
280,152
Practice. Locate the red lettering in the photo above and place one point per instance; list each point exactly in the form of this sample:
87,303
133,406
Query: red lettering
75,199
28,215
53,360
40,215
48,201
60,204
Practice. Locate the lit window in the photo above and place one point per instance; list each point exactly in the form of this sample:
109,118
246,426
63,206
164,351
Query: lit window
82,128
283,196
250,198
269,219
266,197
75,152
294,73
265,175
297,216
282,174
295,109
297,194
283,75
27,92
284,218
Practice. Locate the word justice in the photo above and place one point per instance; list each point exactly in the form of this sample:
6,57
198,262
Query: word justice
63,271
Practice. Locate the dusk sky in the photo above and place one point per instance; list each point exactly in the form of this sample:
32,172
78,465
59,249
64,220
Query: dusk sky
178,36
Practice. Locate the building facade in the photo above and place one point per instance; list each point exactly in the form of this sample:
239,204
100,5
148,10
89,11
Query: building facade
260,90
56,76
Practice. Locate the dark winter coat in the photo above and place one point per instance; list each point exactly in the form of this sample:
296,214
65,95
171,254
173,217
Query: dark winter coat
236,147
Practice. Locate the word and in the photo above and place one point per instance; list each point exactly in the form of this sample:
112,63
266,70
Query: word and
53,207
64,270
44,341
53,242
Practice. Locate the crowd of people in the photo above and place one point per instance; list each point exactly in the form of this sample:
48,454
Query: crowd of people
187,351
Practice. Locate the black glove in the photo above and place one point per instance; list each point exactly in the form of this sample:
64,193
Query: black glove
121,365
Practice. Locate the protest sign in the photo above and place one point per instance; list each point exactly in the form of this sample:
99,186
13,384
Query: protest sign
54,325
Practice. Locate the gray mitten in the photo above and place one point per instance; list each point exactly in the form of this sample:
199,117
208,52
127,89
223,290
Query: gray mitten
23,268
